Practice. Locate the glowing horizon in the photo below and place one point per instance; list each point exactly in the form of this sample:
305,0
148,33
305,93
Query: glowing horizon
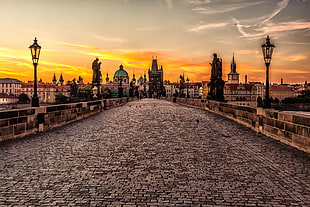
182,34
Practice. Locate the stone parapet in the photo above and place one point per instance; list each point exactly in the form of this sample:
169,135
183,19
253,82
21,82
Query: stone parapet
20,122
289,127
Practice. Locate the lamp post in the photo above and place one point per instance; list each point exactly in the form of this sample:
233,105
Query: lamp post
35,53
267,49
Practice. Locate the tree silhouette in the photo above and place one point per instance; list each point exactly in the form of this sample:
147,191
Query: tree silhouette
73,88
61,99
23,98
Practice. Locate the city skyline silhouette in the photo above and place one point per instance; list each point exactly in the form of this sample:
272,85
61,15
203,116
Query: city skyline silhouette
182,34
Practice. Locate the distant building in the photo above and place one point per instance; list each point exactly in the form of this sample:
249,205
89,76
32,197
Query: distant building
120,79
245,94
205,89
58,82
8,99
143,86
193,89
64,89
10,85
61,88
241,93
298,88
281,92
46,91
172,89
233,76
307,85
156,80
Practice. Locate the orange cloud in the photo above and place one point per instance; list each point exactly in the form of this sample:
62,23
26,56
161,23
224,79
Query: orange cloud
71,45
140,61
74,64
246,52
295,58
5,72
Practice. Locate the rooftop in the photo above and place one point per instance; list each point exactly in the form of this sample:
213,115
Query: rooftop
280,88
234,86
10,80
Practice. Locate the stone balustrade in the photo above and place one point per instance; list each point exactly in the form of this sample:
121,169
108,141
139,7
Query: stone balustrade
289,127
20,122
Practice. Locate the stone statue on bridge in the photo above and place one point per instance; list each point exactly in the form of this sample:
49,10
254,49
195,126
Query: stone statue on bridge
96,73
216,85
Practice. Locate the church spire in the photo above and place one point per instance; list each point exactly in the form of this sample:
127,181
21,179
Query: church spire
61,80
144,77
54,81
107,78
134,76
233,76
80,79
233,64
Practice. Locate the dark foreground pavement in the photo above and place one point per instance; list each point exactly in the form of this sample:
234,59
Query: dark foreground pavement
152,153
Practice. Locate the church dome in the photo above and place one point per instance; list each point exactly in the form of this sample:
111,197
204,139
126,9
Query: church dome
121,73
141,79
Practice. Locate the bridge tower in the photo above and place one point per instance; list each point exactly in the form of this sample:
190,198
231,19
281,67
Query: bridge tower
156,80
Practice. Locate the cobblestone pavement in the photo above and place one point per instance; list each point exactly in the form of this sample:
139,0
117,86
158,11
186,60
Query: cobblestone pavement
152,153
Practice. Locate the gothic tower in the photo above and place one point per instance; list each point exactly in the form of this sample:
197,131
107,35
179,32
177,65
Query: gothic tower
61,80
54,81
156,80
233,76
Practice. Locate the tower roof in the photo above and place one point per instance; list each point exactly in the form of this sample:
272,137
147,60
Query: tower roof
154,65
54,78
121,73
233,67
141,79
61,79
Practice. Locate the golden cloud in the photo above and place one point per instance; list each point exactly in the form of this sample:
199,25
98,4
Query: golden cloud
72,45
294,58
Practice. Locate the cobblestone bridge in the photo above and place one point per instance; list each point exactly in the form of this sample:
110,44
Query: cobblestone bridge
152,153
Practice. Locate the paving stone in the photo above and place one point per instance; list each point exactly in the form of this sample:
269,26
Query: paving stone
152,153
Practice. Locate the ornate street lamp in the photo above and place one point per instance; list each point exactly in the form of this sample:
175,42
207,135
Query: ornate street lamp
267,52
35,53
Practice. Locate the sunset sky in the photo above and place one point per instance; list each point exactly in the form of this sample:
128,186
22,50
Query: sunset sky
183,34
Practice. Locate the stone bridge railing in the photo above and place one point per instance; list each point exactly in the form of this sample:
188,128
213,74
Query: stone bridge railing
289,127
20,122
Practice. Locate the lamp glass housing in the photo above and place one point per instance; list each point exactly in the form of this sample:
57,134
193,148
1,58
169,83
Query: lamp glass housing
35,51
267,49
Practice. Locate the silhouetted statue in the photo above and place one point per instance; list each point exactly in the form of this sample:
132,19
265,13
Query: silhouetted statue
96,72
216,85
182,82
